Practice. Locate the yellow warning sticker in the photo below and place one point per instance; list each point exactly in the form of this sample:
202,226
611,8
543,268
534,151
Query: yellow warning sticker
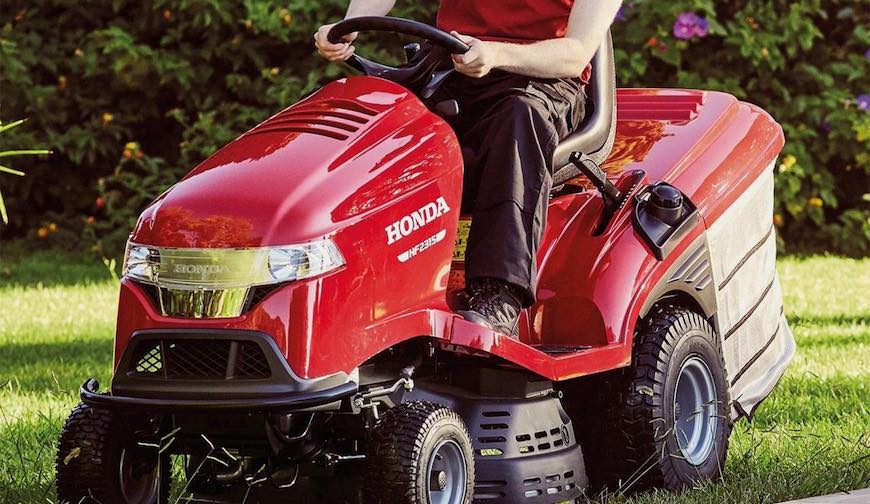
461,240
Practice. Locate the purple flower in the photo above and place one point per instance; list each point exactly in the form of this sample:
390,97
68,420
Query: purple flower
620,14
702,29
690,25
864,102
826,126
867,54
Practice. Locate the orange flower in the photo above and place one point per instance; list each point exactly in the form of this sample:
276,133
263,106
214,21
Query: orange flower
127,154
167,14
61,82
90,220
652,42
42,232
778,220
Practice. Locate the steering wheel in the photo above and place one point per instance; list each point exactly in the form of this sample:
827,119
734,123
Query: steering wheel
415,71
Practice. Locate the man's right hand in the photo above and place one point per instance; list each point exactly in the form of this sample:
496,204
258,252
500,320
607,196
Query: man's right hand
334,52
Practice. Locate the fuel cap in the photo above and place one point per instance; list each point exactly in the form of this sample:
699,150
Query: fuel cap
666,196
666,204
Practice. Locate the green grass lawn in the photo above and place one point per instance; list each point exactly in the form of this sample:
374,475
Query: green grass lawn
812,436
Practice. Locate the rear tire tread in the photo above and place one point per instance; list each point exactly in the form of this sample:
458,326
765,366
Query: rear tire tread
641,401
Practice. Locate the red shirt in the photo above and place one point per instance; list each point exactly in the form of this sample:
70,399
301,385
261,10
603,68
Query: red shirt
508,20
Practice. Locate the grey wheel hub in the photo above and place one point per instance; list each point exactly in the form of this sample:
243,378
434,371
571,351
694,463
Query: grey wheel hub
695,411
137,484
447,474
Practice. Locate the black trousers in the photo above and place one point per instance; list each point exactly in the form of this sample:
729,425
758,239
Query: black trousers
509,126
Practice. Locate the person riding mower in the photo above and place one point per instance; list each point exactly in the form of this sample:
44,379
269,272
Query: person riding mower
293,324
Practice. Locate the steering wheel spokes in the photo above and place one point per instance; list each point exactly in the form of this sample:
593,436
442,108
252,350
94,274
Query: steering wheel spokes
397,25
420,69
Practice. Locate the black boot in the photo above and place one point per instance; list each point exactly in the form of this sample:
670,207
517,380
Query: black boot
494,304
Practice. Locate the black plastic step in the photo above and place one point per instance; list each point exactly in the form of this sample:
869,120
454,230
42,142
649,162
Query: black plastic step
560,349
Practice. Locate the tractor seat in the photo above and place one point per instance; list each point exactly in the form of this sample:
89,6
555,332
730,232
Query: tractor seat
594,137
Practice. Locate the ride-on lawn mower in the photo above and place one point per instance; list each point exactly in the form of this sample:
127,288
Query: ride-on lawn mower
287,324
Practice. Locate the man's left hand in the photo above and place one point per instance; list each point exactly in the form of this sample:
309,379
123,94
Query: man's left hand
478,61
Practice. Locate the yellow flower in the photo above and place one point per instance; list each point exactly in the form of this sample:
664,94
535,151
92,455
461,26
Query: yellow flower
275,70
816,202
788,161
52,227
108,117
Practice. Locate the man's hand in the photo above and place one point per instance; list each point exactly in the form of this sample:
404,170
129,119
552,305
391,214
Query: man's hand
478,61
334,52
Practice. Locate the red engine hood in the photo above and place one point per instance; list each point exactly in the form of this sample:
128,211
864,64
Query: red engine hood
309,170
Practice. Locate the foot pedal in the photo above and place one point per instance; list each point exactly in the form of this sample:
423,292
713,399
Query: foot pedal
560,349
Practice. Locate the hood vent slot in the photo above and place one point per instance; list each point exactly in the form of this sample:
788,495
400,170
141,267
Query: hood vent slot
656,107
333,118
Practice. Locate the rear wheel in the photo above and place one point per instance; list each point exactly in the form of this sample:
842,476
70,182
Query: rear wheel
673,413
96,462
420,453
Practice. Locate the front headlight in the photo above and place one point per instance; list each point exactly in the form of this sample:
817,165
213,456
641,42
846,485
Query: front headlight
303,261
230,268
141,262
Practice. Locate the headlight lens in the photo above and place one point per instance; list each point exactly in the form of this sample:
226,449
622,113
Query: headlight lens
141,263
230,268
302,261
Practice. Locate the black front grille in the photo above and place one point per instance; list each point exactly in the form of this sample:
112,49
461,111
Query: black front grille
199,359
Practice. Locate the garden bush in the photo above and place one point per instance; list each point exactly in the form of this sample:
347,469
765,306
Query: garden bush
131,95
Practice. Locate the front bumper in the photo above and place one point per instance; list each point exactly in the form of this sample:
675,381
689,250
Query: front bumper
290,401
196,370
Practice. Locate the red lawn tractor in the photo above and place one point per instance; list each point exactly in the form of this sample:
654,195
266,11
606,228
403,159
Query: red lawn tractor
287,323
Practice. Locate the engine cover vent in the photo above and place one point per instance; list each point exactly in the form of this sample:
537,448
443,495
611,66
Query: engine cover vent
333,118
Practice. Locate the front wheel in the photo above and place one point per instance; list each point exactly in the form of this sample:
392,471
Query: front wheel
420,453
96,462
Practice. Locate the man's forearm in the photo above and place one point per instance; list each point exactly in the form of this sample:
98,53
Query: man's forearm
547,59
359,8
562,57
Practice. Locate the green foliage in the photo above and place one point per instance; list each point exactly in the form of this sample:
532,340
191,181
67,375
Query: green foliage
805,63
11,171
181,78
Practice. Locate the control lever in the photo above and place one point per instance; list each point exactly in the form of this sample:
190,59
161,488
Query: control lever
447,108
595,174
438,78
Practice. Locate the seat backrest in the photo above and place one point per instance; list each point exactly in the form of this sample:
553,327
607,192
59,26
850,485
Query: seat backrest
594,137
